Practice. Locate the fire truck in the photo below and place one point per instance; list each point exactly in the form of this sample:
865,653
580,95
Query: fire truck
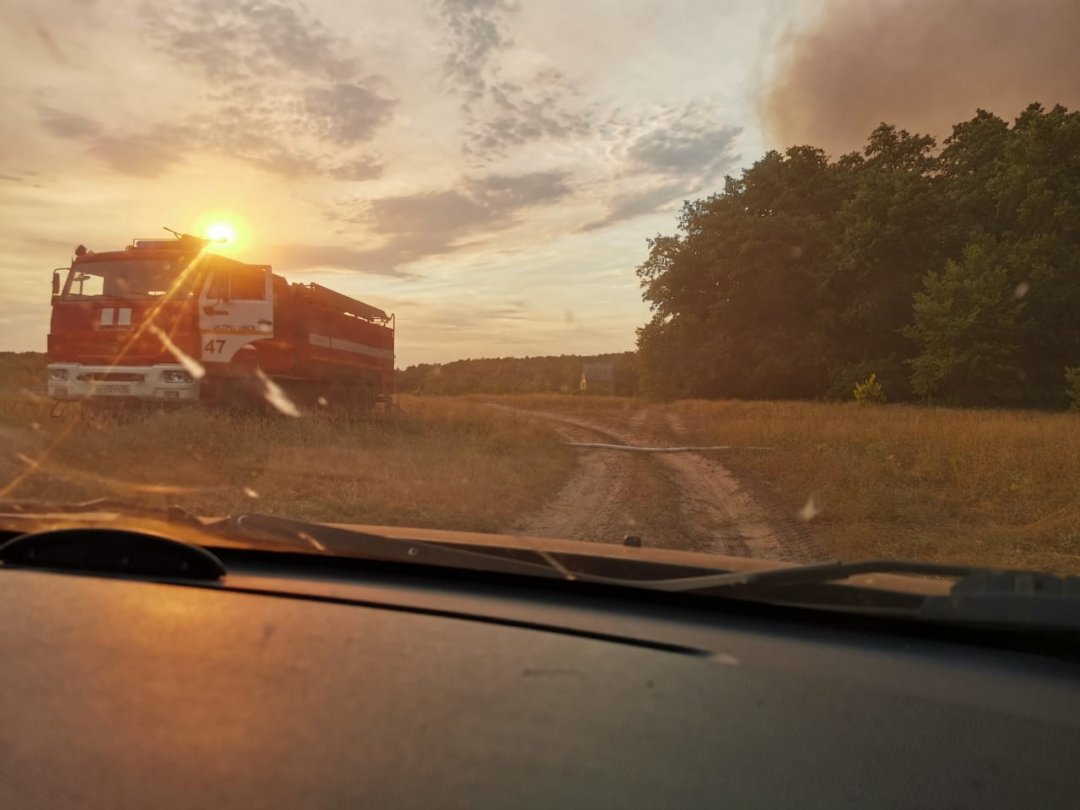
169,321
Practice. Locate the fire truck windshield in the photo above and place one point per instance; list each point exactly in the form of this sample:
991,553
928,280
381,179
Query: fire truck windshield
125,278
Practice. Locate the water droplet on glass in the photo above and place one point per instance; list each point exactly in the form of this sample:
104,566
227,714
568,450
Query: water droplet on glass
810,511
273,394
190,364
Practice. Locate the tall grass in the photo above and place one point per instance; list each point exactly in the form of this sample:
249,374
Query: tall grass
443,464
999,488
988,487
984,487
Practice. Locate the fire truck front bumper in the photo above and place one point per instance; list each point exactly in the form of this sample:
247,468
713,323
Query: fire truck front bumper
166,382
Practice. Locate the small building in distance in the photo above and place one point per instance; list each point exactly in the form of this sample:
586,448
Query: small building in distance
597,378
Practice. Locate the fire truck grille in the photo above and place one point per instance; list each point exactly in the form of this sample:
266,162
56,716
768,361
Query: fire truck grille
112,376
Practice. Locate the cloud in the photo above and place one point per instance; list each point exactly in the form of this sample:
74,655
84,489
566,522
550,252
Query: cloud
429,212
512,192
443,315
157,148
434,223
689,146
296,257
64,124
289,96
346,113
290,165
513,116
637,203
47,39
502,112
146,154
230,41
141,154
672,156
476,30
491,200
262,130
922,65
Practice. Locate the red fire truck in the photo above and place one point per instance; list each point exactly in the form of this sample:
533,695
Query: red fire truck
166,320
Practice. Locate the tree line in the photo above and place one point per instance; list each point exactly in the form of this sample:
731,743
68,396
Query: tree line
514,375
951,273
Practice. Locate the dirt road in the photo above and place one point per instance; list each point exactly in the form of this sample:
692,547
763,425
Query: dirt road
684,500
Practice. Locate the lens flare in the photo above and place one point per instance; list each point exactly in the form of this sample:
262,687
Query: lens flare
222,233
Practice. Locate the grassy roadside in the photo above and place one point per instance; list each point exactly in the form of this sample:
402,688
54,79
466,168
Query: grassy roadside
997,488
444,464
988,487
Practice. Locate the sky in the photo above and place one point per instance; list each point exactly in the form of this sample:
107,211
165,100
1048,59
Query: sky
489,170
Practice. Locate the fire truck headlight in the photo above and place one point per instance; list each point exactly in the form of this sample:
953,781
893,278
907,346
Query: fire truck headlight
176,376
58,374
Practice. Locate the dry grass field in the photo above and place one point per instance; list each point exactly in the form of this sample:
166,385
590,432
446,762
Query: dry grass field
995,488
986,487
442,464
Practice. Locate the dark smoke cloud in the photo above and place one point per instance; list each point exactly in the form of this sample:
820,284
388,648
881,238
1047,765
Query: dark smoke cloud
923,65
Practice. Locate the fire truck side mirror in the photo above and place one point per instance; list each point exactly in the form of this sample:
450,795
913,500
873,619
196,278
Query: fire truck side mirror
55,282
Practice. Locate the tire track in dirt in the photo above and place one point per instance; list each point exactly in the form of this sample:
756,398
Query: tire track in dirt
716,513
797,542
591,505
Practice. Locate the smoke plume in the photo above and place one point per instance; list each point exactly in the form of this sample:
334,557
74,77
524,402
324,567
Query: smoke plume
922,65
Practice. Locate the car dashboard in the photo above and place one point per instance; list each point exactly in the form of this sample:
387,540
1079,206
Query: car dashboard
284,688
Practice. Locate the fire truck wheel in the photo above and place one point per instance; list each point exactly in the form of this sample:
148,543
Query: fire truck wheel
241,395
337,395
361,398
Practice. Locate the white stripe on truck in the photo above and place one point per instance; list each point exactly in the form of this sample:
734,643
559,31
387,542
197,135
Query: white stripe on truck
350,346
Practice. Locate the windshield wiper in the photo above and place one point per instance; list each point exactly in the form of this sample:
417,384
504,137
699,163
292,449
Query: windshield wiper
978,596
810,574
37,509
332,541
260,532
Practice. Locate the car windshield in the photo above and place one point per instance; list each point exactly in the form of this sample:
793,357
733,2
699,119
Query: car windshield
127,278
758,281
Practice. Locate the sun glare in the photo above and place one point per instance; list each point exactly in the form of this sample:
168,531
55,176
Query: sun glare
221,233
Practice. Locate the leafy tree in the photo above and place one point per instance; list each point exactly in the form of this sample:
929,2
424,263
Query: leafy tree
1072,388
870,392
514,375
972,157
955,275
891,237
966,325
1037,199
737,296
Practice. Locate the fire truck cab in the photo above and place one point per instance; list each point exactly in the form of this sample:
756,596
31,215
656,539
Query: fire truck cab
168,321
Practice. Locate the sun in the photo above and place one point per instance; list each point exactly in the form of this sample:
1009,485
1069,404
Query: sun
221,233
